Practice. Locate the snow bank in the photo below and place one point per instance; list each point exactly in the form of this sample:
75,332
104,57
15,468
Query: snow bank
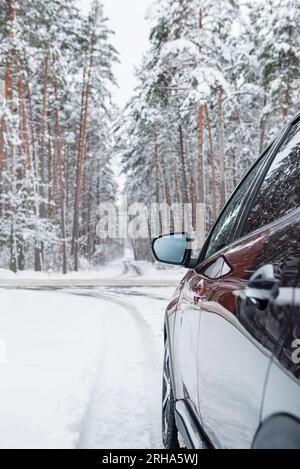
52,348
111,270
81,368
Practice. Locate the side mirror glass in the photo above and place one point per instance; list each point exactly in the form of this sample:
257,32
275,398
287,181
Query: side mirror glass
171,249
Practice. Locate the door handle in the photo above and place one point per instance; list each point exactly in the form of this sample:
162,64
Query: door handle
262,287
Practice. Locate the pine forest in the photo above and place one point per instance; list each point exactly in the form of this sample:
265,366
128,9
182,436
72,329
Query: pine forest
218,81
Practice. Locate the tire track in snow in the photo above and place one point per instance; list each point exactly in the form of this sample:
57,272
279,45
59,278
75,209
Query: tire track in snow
152,373
84,428
151,357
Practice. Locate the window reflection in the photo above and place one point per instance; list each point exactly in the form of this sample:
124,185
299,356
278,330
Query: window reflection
222,231
280,191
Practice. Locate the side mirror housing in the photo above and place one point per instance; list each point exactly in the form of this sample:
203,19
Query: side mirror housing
173,249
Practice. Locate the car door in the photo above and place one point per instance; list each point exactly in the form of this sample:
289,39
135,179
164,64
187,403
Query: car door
187,319
277,209
242,311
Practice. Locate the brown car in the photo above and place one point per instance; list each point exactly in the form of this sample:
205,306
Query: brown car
232,334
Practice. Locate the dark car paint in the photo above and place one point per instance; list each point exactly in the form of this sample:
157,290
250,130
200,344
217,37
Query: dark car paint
233,393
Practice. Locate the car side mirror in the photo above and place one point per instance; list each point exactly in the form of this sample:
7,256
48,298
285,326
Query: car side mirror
173,249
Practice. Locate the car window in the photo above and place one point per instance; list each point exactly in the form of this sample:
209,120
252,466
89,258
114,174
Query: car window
221,233
279,193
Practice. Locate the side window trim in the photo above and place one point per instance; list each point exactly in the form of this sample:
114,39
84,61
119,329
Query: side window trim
256,183
254,187
295,120
251,198
208,239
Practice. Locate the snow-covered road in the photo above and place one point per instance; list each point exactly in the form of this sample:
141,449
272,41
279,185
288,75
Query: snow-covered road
48,284
83,366
127,390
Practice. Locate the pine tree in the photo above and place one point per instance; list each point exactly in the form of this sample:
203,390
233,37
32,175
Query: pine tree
42,48
279,60
99,56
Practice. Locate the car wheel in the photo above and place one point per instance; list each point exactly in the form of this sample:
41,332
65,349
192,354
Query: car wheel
169,429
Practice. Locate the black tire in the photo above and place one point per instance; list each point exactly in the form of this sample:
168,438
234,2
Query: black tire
169,428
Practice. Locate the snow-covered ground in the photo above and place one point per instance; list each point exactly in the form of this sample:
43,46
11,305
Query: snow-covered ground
81,367
116,269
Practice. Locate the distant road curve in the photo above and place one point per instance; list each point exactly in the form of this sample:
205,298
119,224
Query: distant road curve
57,284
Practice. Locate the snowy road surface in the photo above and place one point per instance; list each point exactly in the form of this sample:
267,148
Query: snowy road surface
83,283
83,365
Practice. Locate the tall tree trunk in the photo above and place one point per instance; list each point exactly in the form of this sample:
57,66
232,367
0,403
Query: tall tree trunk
8,79
90,233
43,138
38,248
32,130
54,177
262,126
201,182
50,171
157,167
80,159
234,178
24,124
213,167
68,178
61,181
221,149
13,264
194,201
179,197
200,19
7,83
185,190
287,93
79,173
160,172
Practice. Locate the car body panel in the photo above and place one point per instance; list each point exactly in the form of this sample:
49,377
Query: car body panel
231,349
221,346
283,386
232,362
240,336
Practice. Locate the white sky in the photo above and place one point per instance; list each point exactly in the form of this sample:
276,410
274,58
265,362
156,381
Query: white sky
127,19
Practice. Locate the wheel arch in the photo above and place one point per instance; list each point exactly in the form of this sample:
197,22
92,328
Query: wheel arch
279,431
